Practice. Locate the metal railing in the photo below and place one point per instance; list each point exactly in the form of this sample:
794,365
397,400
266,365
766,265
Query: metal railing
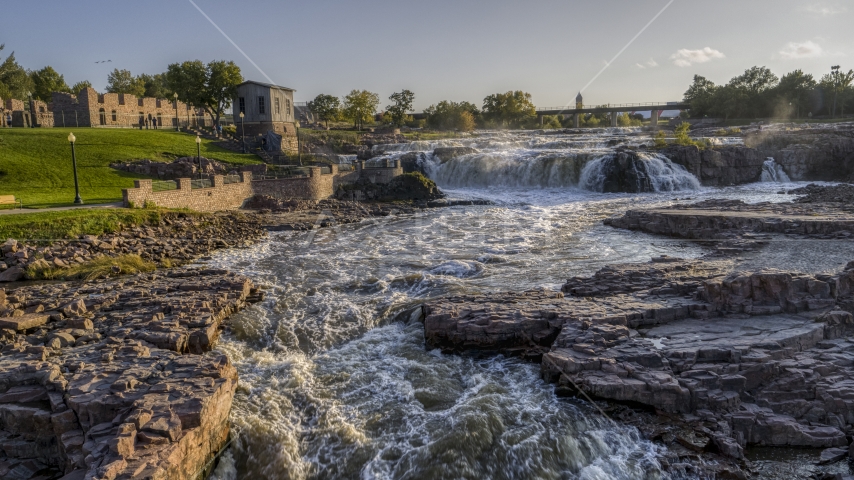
164,185
286,172
203,183
232,179
571,106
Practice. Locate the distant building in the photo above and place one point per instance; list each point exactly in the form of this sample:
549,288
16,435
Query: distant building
266,107
92,109
579,101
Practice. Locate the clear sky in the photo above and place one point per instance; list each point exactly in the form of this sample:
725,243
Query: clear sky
440,49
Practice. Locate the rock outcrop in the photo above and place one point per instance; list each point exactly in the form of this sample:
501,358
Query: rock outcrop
758,358
180,238
733,165
185,167
108,380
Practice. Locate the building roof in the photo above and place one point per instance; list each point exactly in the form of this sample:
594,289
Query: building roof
578,98
269,85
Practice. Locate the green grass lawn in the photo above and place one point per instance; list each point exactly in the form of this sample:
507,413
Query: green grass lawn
35,163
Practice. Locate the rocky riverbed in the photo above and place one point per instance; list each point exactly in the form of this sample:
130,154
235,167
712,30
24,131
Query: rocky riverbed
110,379
744,359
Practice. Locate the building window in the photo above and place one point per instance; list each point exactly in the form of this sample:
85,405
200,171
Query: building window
262,109
288,104
115,117
242,104
139,103
122,99
278,106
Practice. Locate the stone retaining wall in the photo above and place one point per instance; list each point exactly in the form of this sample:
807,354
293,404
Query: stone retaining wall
315,186
219,197
382,174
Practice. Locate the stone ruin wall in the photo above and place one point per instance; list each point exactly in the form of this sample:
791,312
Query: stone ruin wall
119,110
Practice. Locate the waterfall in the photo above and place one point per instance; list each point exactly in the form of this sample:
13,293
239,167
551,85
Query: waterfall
773,172
509,168
636,172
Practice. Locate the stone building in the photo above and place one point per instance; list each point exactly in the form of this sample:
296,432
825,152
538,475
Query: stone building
266,107
92,109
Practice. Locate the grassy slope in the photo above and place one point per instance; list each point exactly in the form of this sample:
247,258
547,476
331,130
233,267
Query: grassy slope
35,164
67,224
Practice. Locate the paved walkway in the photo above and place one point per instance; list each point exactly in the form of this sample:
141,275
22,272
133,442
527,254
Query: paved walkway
59,209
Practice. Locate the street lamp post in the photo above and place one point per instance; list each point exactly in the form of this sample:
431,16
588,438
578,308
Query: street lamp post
199,154
77,199
175,96
242,133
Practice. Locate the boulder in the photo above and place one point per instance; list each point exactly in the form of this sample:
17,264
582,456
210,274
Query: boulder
12,274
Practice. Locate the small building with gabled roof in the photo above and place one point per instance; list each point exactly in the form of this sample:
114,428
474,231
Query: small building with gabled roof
266,107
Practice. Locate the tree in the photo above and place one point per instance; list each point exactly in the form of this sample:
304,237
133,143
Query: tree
46,81
154,85
75,89
447,115
753,86
212,86
122,81
360,106
511,109
14,80
326,107
834,85
796,88
701,96
402,104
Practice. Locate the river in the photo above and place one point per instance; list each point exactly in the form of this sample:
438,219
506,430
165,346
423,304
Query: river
333,384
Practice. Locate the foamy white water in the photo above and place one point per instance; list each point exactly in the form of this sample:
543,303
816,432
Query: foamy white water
334,384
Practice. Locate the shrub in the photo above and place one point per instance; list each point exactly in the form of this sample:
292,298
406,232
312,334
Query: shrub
660,139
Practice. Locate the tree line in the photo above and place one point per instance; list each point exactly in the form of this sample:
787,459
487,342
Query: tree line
759,93
210,86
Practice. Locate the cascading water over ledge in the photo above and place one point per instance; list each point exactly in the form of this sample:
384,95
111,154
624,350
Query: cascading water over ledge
773,172
636,172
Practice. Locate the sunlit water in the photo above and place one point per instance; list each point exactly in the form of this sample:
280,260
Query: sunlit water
335,384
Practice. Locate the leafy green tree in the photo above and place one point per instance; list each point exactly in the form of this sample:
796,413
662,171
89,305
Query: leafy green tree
326,107
753,88
75,89
155,85
447,115
402,103
360,106
510,109
122,81
211,87
835,86
551,122
796,87
14,80
701,96
46,81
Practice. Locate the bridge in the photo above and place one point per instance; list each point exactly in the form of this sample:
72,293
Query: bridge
655,109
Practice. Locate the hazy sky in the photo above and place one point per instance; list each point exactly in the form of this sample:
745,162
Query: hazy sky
440,49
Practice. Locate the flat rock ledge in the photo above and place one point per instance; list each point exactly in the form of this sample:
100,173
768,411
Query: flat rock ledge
111,379
721,219
761,358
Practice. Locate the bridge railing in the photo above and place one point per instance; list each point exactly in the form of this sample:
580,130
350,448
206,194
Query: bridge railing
612,105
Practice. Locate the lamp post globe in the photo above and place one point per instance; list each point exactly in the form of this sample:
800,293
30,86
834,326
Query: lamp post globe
77,199
199,154
175,96
242,133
